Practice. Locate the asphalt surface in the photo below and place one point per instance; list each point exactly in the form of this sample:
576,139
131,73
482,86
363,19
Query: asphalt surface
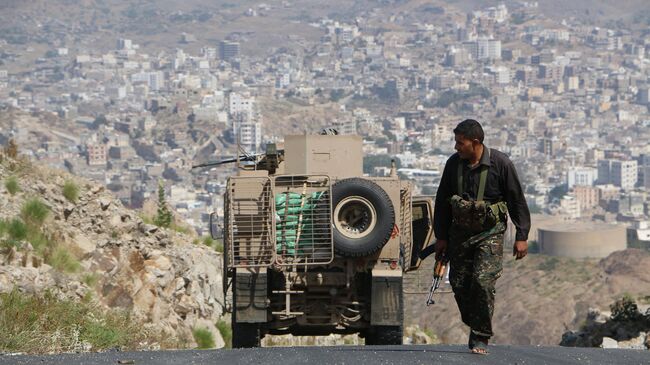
421,354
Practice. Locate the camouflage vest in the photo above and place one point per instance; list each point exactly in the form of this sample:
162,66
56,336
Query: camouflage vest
475,215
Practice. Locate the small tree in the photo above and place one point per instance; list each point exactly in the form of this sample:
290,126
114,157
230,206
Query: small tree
71,191
163,216
12,185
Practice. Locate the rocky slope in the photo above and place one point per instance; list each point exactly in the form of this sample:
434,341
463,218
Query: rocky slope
115,258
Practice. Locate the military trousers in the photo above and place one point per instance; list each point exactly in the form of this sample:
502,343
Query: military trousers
475,265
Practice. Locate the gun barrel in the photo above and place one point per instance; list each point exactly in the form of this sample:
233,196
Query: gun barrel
228,160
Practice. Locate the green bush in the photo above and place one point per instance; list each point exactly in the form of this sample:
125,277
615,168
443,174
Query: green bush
63,261
17,230
226,332
45,324
34,212
204,338
71,191
12,185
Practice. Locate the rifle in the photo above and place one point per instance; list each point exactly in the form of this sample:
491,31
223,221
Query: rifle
438,273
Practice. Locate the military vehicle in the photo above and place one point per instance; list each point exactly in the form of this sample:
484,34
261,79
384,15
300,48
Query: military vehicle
314,247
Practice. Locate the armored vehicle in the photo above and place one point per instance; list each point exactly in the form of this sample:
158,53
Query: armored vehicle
313,247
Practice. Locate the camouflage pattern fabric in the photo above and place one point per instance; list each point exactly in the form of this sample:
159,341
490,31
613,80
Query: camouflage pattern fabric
475,266
471,215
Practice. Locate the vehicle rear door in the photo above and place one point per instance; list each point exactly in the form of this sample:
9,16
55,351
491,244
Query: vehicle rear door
422,228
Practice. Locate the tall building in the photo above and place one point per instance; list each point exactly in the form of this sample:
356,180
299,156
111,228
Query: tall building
249,134
228,50
604,167
620,173
624,174
155,80
488,49
240,104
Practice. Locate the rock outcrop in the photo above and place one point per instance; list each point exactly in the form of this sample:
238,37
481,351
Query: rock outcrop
627,326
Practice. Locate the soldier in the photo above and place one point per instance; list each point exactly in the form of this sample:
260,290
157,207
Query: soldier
479,188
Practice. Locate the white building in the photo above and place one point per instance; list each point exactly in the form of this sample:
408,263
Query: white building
124,44
488,49
250,136
582,176
240,104
624,174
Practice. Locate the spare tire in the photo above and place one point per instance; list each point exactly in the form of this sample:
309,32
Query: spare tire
363,217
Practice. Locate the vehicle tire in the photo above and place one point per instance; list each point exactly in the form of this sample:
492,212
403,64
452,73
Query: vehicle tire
363,217
384,335
244,335
388,335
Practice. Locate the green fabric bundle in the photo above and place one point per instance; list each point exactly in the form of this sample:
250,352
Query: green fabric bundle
288,210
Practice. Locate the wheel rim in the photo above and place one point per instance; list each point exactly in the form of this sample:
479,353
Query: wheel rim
355,217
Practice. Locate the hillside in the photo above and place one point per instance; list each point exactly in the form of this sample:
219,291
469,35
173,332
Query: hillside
70,237
540,297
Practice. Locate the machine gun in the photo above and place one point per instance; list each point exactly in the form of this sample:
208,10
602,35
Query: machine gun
270,160
438,273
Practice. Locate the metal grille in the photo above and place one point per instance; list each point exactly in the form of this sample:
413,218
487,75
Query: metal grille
303,229
407,227
249,226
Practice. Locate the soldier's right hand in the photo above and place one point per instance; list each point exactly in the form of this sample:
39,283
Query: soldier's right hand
441,248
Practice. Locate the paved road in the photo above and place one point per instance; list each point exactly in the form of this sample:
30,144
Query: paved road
429,354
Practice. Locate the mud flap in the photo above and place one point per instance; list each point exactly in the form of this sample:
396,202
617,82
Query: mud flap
387,301
250,292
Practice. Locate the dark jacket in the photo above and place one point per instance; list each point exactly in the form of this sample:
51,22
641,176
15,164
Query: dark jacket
502,185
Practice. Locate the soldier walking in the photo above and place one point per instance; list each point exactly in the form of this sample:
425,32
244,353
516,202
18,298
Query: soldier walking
478,190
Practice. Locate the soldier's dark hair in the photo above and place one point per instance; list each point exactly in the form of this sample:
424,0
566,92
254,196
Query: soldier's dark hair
471,129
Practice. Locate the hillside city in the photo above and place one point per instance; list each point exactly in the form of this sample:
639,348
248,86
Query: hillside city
568,101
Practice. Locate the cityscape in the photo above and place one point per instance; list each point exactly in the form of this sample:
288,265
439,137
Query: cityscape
566,100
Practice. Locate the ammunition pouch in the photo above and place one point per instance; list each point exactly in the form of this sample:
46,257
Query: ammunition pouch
476,215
